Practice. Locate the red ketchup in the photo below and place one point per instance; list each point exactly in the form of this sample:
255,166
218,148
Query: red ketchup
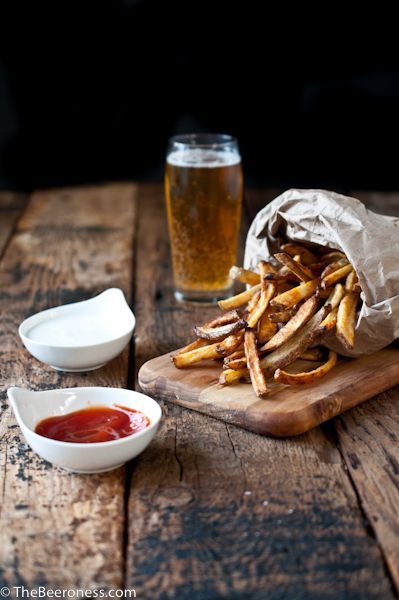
93,424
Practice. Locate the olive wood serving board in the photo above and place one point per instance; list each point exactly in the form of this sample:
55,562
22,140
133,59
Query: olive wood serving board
289,410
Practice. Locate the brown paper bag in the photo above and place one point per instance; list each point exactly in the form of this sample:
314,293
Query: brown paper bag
370,241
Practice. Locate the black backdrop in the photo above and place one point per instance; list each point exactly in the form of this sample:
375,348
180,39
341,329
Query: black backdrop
92,91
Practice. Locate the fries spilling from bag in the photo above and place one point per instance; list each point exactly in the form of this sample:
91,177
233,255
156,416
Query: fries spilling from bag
281,318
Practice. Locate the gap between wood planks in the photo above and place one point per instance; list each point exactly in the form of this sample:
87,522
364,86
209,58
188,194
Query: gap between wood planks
368,524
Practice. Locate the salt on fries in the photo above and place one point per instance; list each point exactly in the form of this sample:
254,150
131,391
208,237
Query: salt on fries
282,317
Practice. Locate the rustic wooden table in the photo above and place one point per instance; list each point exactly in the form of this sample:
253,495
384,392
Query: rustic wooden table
208,510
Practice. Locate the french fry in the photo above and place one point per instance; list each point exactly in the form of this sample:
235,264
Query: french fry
223,319
251,304
330,321
239,353
255,372
346,319
236,355
335,276
307,376
319,266
282,316
229,376
239,299
244,275
334,255
238,363
218,350
186,359
266,267
293,348
267,292
350,281
296,294
313,354
305,312
217,334
279,277
286,275
293,249
193,346
229,344
228,317
336,295
262,305
334,266
266,328
299,270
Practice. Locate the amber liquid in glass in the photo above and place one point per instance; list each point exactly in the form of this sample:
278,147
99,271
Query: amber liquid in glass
203,196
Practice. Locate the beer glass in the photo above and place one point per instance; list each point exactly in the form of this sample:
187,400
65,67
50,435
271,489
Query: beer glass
203,188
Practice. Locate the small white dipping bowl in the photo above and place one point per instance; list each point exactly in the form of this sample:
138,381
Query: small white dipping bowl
31,407
81,336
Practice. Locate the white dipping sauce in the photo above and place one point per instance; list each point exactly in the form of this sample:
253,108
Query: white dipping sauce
73,330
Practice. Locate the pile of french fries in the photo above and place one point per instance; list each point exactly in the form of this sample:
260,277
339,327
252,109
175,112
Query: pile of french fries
280,318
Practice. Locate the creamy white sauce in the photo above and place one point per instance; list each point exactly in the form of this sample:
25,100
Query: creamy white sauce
73,330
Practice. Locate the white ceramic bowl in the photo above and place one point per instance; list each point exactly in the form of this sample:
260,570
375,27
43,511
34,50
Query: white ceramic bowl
31,407
82,336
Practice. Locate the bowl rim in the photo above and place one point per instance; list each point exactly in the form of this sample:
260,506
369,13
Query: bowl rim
81,445
26,339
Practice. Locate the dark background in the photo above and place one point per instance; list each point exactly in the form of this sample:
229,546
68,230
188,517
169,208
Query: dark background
90,92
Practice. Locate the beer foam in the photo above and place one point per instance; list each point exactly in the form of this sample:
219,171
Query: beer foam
201,158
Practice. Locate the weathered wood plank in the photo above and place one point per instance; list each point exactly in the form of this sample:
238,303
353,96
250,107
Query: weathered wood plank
59,529
11,207
369,441
193,531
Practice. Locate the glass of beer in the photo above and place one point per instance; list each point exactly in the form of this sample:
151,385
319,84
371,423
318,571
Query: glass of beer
203,188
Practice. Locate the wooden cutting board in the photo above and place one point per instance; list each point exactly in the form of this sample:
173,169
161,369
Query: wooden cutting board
289,410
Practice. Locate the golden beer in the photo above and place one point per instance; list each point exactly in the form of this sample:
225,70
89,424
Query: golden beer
204,188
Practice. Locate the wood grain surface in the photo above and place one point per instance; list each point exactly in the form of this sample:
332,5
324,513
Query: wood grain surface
209,510
56,528
11,207
287,410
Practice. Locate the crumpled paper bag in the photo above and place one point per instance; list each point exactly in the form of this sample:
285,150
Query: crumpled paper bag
370,241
